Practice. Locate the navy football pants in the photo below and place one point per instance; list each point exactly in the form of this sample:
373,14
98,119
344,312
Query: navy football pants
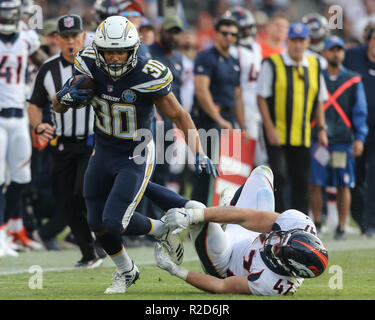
114,185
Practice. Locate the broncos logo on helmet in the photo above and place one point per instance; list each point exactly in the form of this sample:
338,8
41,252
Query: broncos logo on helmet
297,252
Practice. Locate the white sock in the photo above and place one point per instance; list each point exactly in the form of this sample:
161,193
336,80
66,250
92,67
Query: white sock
122,261
2,237
158,228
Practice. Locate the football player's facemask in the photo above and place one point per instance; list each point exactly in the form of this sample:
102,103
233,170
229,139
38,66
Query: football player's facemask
116,33
10,16
318,29
298,252
246,23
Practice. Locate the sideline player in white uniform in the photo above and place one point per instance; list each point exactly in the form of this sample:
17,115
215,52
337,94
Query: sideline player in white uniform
16,46
261,252
249,54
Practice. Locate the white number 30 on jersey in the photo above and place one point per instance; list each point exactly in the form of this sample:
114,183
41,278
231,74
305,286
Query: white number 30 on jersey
154,68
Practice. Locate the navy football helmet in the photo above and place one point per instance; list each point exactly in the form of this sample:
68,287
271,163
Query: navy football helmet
107,8
246,23
318,29
297,252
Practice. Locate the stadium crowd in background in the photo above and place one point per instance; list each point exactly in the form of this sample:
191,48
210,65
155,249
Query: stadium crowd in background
192,44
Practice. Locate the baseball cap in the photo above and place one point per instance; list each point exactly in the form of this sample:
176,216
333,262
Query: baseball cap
333,41
49,27
71,23
136,5
170,22
146,23
298,30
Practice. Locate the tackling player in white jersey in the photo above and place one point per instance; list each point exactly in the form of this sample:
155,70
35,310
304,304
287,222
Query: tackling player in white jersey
261,252
249,54
16,46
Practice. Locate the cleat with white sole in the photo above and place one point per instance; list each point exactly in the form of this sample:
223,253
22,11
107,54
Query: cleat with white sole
174,246
5,248
122,281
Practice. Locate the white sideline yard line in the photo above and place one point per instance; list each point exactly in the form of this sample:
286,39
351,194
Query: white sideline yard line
138,255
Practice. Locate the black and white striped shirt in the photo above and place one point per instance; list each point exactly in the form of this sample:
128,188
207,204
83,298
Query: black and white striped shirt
75,123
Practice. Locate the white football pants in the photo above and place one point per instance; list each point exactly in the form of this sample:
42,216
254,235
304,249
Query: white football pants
15,150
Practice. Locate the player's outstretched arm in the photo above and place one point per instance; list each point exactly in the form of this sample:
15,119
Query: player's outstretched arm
255,220
235,284
251,219
171,108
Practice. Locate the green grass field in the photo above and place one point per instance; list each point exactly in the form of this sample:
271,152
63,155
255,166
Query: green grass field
354,256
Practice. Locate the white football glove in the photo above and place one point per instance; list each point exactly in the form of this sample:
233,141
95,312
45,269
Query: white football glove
163,261
178,219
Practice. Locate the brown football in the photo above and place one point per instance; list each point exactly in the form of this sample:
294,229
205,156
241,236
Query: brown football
88,83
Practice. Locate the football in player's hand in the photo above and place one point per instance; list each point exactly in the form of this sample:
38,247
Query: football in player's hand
87,84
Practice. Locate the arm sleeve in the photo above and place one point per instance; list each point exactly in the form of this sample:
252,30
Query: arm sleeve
360,114
265,80
39,94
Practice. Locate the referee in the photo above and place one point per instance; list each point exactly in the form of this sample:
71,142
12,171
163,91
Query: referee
71,138
291,92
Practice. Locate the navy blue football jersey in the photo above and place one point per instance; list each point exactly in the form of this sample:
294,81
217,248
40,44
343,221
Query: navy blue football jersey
124,106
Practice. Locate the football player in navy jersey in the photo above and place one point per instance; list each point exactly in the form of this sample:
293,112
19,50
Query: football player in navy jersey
127,87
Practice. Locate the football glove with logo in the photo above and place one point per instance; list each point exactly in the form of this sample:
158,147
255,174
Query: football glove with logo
178,219
72,96
202,161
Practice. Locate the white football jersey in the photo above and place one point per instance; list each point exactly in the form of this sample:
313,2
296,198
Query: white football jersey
246,259
13,64
250,63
